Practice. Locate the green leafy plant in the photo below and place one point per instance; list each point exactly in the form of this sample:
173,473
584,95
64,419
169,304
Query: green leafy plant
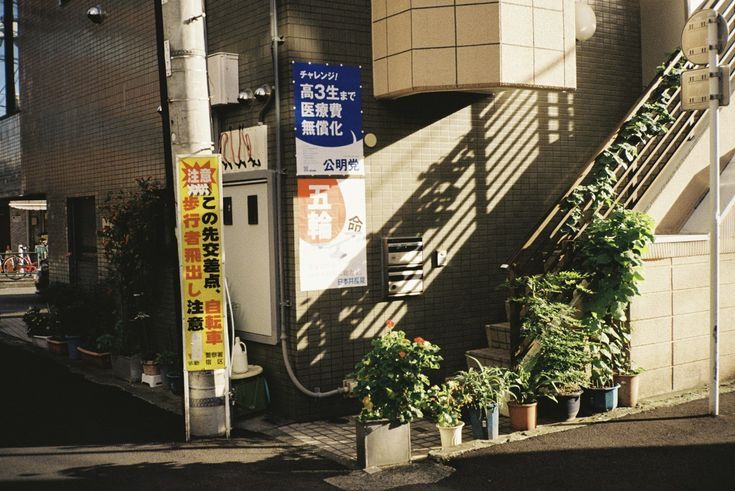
104,343
563,352
527,386
391,378
651,120
69,310
134,249
611,251
37,322
445,403
167,359
484,387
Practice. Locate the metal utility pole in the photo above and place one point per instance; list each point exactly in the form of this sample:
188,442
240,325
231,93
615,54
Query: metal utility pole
191,135
704,36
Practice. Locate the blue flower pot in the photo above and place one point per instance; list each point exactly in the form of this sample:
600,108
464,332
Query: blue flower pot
485,423
72,343
600,400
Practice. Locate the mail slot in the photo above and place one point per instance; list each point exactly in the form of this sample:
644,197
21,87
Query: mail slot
403,260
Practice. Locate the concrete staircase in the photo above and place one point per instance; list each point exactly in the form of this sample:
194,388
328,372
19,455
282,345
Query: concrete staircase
497,354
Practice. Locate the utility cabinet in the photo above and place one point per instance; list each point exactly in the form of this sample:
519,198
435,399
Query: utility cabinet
224,80
249,244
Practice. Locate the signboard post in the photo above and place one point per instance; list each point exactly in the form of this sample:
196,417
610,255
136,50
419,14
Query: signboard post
201,259
702,41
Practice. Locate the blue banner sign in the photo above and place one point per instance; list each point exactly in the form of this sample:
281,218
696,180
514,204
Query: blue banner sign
328,117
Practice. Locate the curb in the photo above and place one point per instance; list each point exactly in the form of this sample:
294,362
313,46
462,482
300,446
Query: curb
655,402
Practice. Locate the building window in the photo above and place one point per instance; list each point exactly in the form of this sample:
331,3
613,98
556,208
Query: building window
9,76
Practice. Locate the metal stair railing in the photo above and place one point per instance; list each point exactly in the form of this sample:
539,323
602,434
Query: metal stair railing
653,156
543,249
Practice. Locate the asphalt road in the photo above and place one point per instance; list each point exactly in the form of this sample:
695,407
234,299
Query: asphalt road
59,431
669,448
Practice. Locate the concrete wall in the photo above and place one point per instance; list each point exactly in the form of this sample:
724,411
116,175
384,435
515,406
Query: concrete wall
670,320
661,25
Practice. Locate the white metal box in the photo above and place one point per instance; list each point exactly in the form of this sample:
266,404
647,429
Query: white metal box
224,82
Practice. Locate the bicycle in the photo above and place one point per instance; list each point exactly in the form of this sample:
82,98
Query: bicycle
19,265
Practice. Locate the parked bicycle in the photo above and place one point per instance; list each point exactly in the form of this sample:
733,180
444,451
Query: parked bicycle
18,265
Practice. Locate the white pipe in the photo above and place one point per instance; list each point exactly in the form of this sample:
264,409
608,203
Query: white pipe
714,233
275,41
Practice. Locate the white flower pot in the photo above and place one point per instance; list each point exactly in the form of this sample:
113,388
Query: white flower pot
451,435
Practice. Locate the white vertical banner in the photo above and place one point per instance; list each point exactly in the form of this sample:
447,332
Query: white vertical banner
331,233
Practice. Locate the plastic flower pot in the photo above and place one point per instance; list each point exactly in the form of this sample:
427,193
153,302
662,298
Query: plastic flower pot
522,416
451,436
628,392
485,423
600,399
72,343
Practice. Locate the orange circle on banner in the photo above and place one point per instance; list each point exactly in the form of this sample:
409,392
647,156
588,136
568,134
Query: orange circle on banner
321,210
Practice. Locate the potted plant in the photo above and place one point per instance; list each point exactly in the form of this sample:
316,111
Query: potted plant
126,360
37,326
602,393
167,363
563,355
69,314
484,389
445,404
393,388
524,392
611,249
99,354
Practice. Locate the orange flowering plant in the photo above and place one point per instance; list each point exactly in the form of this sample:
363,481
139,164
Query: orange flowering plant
390,377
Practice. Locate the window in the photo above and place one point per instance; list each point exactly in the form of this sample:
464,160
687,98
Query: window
9,80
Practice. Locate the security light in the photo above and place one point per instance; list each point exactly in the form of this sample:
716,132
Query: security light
97,14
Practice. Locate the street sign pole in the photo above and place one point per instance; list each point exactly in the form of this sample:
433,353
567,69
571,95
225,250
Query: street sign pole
703,39
714,233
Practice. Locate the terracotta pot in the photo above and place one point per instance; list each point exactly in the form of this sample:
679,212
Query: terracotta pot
57,347
522,416
150,367
90,357
628,391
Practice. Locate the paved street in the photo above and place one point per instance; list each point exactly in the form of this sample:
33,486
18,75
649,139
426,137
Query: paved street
61,431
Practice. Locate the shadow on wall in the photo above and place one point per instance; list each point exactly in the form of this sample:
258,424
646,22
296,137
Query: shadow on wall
498,173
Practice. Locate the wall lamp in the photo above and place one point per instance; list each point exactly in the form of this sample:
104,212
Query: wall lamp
97,14
249,95
585,22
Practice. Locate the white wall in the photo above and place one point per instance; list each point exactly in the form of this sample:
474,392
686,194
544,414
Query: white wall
661,25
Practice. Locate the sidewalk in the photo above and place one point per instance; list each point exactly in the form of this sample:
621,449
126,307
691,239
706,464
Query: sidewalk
335,439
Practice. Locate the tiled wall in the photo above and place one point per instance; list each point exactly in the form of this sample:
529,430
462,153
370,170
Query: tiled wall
431,45
470,173
90,123
670,322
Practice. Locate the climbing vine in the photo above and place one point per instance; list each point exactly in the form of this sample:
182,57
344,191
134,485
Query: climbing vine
649,121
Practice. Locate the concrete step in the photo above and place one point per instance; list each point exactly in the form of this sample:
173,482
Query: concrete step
488,357
498,335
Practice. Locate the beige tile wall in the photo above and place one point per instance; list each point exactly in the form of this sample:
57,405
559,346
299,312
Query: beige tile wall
472,45
670,324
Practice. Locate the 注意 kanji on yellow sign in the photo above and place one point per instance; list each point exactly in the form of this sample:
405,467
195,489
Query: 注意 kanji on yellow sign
202,274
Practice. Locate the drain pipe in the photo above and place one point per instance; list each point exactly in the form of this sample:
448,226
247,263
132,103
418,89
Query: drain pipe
281,290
